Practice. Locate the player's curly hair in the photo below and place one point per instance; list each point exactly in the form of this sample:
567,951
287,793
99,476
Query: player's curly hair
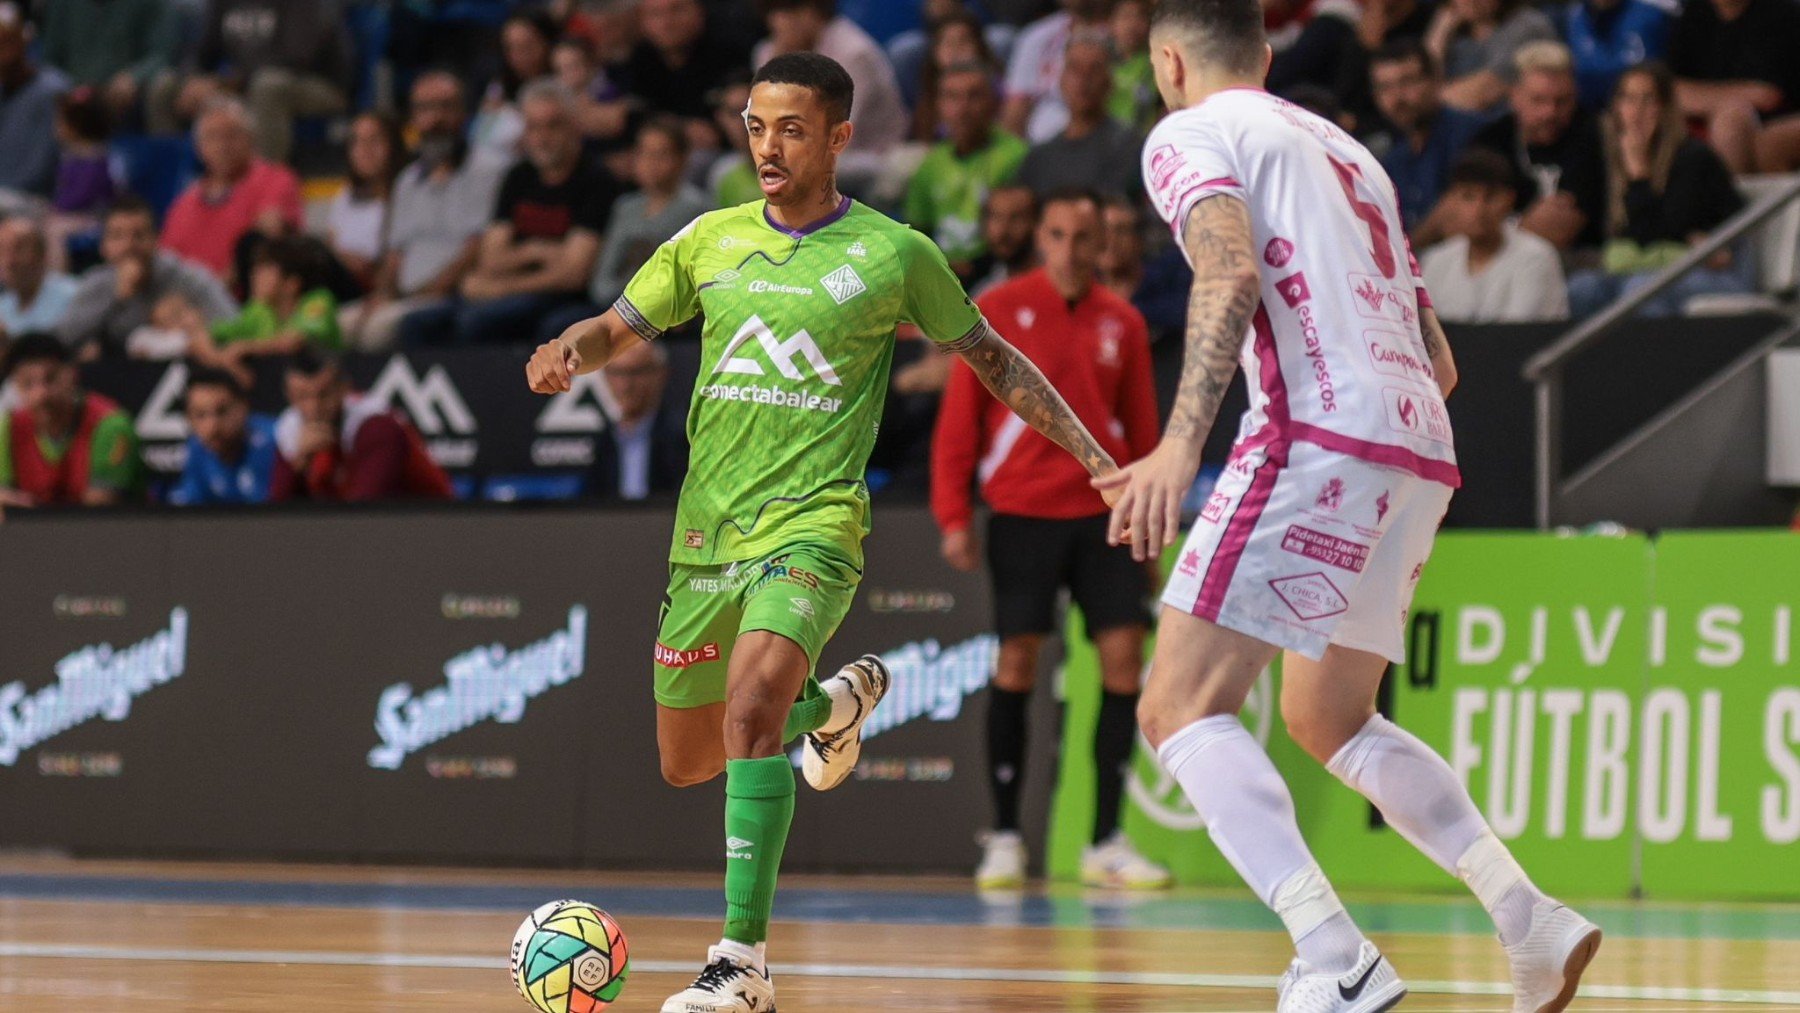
1228,33
826,77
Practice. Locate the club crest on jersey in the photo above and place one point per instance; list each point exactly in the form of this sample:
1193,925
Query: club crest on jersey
1332,496
843,284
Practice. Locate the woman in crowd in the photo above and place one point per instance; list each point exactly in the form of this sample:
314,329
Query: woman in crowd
356,222
525,44
955,39
1665,191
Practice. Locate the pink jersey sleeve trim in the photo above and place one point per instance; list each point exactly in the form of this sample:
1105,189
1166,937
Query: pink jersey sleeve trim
1185,202
1424,298
1441,472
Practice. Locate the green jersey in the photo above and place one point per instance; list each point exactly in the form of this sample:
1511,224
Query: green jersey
795,353
944,198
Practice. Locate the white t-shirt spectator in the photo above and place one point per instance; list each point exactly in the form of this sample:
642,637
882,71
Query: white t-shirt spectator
357,225
878,112
1035,72
1523,283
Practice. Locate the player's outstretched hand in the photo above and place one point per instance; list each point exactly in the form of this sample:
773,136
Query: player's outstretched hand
1146,498
552,367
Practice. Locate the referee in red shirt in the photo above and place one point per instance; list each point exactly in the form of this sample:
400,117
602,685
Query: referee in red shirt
1047,531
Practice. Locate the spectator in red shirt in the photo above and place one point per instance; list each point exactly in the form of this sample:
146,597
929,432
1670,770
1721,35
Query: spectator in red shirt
237,192
342,448
61,446
1048,528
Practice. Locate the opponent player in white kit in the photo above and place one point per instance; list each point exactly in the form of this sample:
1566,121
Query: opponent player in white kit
1320,526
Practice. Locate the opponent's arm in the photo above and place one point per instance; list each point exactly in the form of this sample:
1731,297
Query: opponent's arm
1226,292
1437,346
1019,385
584,347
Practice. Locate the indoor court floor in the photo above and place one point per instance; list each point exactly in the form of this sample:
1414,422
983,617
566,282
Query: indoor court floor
160,937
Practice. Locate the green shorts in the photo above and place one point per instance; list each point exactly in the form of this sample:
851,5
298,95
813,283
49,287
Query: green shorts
802,593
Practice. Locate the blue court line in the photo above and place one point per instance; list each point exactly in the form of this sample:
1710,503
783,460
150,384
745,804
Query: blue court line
1059,908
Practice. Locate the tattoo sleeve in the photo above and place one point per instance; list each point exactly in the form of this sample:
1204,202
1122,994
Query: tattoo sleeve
1437,347
1227,291
1019,385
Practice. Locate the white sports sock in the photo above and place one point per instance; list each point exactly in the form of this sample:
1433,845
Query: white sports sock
843,706
1250,815
1425,803
756,956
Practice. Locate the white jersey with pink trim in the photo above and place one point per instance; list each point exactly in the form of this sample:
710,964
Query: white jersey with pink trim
1335,356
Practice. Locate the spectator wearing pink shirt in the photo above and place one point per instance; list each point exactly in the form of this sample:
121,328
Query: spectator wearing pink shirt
237,192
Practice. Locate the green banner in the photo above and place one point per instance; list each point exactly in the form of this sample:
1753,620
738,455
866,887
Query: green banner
1626,714
1717,741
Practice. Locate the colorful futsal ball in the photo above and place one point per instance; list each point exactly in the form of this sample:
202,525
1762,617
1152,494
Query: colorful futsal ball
569,957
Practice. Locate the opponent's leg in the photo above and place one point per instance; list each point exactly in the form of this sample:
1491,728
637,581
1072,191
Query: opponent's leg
1329,708
1198,681
767,673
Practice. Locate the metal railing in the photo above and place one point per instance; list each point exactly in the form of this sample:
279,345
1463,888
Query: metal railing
1545,369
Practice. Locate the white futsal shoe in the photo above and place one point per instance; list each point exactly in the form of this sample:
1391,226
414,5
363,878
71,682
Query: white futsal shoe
1369,987
1547,964
827,758
1114,864
1002,861
726,985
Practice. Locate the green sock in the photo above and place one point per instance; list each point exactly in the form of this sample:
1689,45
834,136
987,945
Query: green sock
759,807
809,713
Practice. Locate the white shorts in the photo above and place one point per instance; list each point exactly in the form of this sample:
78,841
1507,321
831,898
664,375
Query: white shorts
1320,549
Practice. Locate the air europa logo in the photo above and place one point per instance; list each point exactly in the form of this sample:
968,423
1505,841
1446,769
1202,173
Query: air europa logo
486,683
94,682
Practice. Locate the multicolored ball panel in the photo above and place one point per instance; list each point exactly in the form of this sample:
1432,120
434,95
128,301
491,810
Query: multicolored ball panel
569,957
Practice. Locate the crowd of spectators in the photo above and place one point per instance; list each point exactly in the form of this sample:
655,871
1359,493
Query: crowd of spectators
235,182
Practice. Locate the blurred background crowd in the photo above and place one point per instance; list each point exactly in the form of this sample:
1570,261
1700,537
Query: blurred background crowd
257,187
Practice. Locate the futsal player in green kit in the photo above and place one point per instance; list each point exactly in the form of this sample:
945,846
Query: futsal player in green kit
801,292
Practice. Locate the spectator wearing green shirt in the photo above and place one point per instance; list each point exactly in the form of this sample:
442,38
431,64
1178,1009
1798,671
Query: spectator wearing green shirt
289,309
945,195
1134,100
61,446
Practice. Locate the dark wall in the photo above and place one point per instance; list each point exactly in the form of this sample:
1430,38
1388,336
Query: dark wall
447,685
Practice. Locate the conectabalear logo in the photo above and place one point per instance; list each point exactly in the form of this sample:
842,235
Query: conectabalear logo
486,683
95,682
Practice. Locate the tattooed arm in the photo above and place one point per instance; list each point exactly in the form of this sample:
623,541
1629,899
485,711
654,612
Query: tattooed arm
1019,385
1437,346
1227,291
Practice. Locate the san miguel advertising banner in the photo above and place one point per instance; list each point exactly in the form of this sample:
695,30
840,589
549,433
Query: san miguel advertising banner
1626,713
471,685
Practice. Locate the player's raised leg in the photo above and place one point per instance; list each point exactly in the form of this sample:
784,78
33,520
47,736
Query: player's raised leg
1198,681
767,672
1329,708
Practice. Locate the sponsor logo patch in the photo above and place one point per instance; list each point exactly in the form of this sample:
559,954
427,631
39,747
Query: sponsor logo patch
1328,549
693,538
670,657
1293,289
1278,252
1310,595
1332,495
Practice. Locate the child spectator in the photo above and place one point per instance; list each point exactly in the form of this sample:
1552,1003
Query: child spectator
62,446
288,310
356,222
1490,271
1134,101
643,219
84,173
732,179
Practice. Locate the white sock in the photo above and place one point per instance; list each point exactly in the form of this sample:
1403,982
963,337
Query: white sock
1502,886
1423,801
755,956
1250,815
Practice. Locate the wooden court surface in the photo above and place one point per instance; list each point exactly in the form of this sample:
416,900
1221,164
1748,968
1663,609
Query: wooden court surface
166,937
